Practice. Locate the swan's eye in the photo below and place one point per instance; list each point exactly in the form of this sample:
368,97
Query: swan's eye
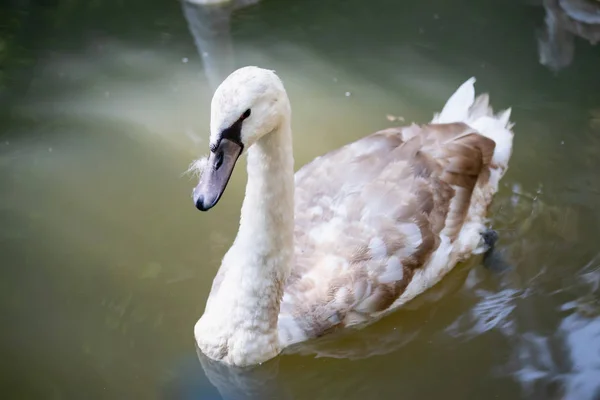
219,160
246,114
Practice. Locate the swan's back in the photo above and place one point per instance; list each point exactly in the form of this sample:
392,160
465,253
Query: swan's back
384,218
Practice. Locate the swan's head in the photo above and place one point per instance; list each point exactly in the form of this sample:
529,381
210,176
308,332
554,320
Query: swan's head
249,104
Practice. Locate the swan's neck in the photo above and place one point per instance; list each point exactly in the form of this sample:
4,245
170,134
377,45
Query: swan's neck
239,325
267,218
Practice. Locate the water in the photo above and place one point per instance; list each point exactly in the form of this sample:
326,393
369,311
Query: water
106,264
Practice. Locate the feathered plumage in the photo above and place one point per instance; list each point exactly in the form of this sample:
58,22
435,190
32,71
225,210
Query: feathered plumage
375,223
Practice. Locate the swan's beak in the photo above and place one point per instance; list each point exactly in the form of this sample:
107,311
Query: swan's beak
216,175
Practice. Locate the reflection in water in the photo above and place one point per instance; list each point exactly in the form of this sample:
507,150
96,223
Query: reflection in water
259,382
566,364
210,25
563,365
564,20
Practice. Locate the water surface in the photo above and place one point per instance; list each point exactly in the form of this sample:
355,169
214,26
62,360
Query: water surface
106,264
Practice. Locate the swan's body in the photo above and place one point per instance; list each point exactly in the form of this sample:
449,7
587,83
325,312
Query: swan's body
354,234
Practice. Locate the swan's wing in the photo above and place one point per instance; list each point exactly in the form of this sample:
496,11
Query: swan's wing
369,215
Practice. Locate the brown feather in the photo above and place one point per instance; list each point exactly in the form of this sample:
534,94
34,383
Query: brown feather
364,238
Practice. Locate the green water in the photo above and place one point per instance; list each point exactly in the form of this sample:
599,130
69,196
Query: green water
106,264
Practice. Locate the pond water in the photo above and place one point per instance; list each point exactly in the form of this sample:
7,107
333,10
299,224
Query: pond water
106,264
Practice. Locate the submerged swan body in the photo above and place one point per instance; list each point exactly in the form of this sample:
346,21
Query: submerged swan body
354,234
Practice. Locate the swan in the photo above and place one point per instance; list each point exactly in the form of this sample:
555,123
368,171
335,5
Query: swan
354,234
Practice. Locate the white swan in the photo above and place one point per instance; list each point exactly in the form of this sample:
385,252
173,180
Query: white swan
354,234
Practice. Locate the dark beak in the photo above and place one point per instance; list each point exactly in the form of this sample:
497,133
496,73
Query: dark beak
216,175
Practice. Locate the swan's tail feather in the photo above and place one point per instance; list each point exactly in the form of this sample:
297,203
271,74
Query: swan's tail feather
477,112
457,107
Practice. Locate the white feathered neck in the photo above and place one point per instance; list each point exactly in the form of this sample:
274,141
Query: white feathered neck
240,321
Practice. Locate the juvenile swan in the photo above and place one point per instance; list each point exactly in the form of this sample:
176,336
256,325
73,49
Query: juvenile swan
354,234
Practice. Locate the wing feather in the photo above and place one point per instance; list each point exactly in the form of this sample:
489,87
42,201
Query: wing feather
369,215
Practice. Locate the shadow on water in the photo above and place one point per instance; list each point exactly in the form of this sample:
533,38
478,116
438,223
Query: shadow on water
113,267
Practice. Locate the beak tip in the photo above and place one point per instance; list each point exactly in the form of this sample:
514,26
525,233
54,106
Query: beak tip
201,203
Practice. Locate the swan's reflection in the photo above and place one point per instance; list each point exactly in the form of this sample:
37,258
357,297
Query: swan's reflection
209,22
254,383
564,20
